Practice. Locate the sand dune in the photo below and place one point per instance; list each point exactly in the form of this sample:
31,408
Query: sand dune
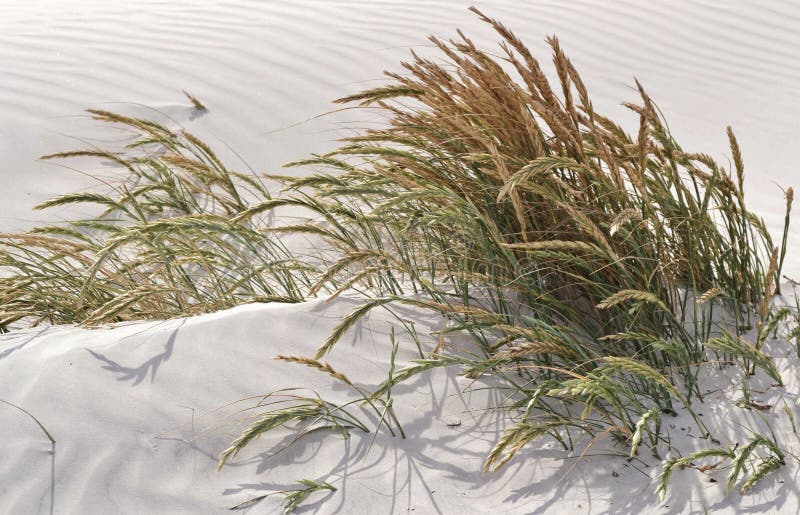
140,412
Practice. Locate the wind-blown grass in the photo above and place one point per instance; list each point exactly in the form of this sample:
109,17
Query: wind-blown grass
590,266
166,242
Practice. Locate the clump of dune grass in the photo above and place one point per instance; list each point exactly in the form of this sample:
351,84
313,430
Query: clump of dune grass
594,269
598,272
166,240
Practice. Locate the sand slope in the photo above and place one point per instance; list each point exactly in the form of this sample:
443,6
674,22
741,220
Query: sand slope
140,412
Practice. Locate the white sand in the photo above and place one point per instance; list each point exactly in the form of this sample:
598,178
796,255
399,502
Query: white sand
139,412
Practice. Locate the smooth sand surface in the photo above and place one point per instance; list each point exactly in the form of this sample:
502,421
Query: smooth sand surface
140,412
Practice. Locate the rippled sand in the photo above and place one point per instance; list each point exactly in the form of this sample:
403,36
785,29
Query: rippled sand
266,69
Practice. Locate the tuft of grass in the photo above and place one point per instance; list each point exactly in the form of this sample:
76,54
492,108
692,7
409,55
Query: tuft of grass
568,249
576,255
167,239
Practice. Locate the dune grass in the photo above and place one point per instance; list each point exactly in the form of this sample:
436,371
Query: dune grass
597,272
589,266
165,241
